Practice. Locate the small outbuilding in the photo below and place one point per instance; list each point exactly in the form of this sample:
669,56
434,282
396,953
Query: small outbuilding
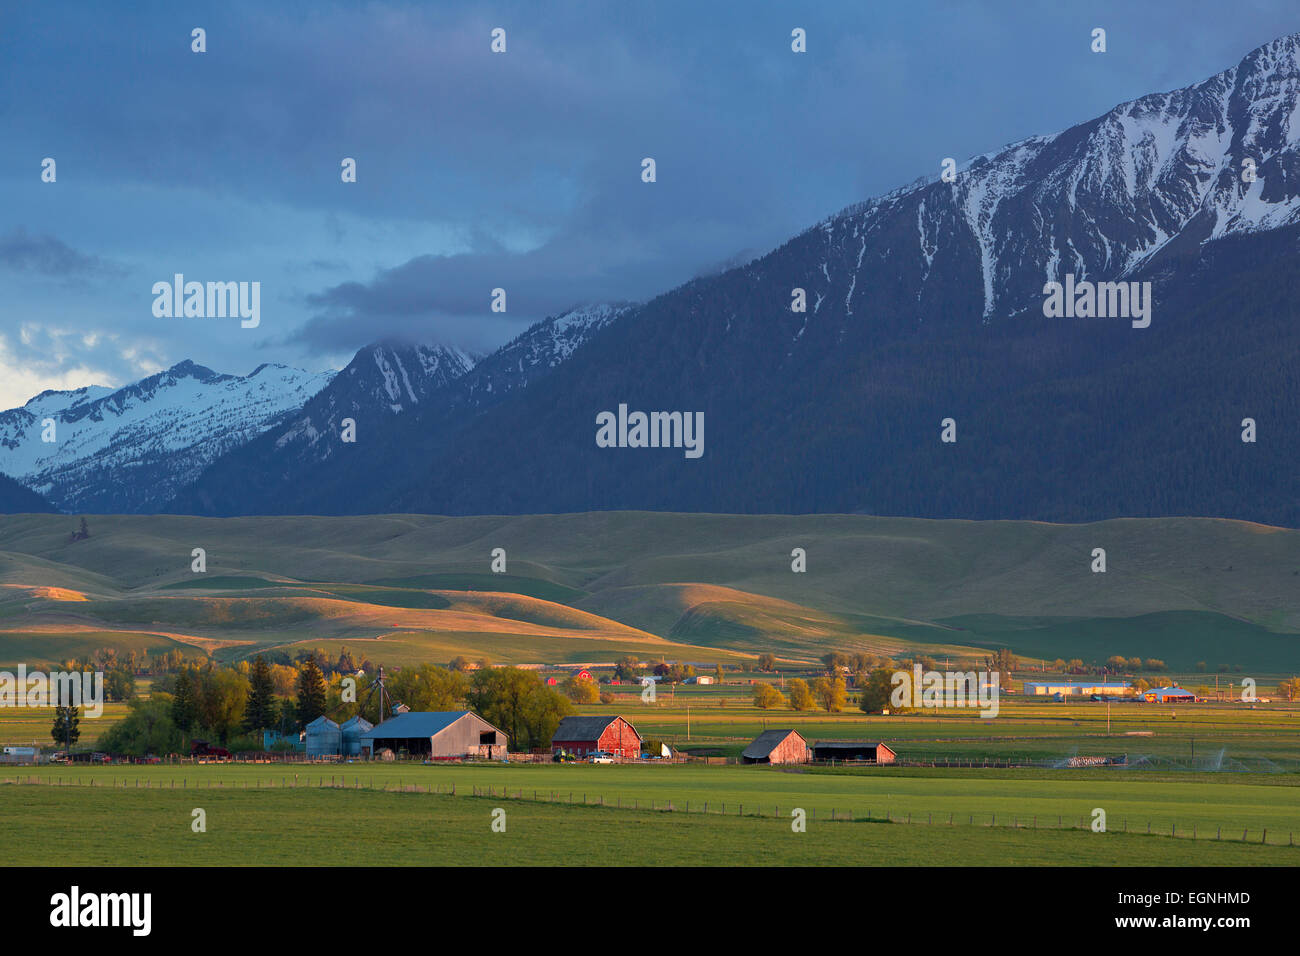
865,751
776,746
324,739
439,735
351,731
292,741
1170,695
583,735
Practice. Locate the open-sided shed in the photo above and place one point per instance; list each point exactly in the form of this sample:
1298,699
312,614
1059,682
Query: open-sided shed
868,751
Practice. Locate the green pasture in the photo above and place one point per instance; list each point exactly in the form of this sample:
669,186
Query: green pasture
256,817
967,796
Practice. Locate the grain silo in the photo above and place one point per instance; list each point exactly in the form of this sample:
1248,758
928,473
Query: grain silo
352,731
323,738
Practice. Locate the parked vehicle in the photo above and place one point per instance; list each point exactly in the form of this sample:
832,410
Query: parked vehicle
599,756
201,748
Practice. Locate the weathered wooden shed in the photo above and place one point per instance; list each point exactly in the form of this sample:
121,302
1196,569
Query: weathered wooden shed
583,735
776,746
352,730
867,751
439,735
324,738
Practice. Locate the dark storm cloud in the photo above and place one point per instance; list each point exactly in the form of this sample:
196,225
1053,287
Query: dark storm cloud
21,251
521,170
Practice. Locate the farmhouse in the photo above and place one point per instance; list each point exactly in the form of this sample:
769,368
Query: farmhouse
853,750
323,738
776,746
582,735
440,735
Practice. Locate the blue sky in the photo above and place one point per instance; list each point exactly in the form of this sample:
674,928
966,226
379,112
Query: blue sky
478,170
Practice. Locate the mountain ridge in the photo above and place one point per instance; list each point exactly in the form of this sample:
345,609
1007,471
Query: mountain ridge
921,308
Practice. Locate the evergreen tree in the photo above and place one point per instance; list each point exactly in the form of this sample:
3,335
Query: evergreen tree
66,728
185,706
261,712
311,692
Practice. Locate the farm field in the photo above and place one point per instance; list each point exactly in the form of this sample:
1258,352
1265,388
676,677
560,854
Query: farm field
1215,600
1164,799
253,820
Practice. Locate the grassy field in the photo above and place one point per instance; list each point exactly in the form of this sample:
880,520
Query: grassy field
256,816
589,587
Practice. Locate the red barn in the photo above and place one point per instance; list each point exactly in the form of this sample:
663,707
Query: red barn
582,735
582,674
776,746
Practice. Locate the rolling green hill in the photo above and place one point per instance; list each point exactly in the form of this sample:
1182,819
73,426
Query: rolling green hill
700,587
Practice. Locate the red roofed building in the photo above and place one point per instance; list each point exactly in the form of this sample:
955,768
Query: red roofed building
583,735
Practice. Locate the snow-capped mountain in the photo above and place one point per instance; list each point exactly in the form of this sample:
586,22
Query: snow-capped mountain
1160,174
385,383
382,380
128,449
403,375
922,305
538,350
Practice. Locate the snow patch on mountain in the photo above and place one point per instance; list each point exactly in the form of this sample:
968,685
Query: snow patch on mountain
540,349
1100,199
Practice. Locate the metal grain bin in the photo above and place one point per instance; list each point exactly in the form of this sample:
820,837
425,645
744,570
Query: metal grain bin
324,739
352,731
